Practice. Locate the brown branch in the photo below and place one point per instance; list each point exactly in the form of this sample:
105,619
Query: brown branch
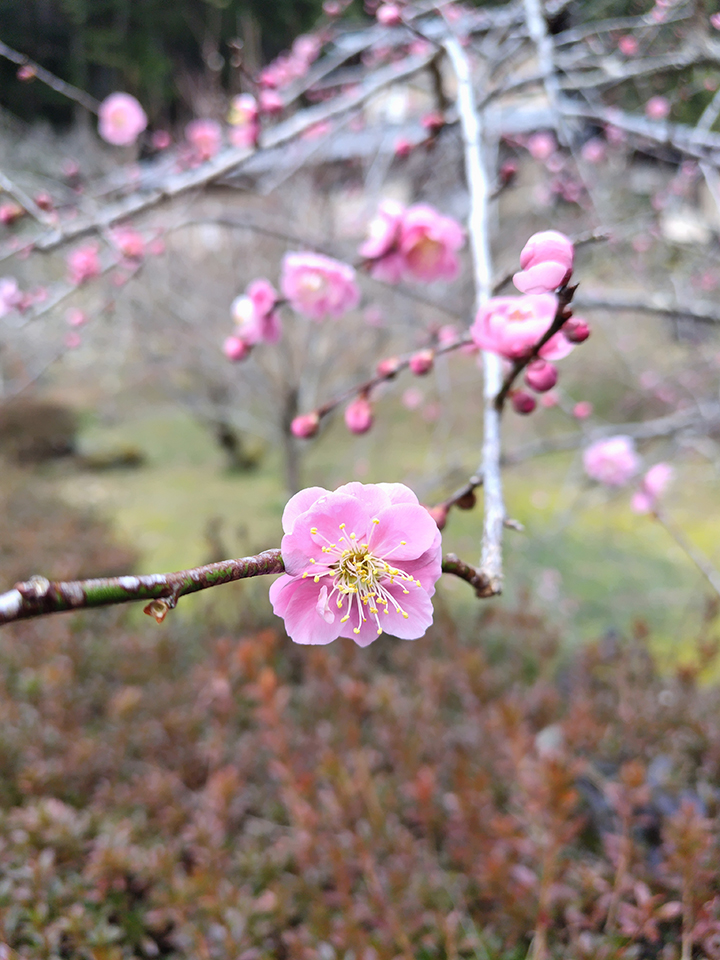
38,597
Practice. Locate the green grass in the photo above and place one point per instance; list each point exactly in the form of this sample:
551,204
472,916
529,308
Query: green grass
584,557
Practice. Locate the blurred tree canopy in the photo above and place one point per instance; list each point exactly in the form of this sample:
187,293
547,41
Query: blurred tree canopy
171,55
142,46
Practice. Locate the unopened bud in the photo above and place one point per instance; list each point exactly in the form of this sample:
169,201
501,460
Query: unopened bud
422,362
388,367
467,501
439,515
359,416
305,426
523,402
433,122
26,72
235,348
508,172
403,147
541,376
576,330
44,201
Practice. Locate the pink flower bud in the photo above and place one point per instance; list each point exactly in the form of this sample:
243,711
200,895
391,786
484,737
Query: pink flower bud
205,137
508,172
26,72
549,400
160,140
235,348
75,317
433,122
305,426
359,415
541,146
389,15
657,108
523,402
44,201
10,212
628,45
541,376
582,410
270,102
403,147
388,367
576,330
422,362
439,515
72,340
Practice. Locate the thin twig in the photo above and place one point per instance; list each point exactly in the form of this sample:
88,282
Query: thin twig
49,79
700,560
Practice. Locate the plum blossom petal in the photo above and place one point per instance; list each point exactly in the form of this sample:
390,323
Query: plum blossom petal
318,286
121,119
612,462
354,570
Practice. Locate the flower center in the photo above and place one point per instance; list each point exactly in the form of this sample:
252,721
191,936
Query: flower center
359,576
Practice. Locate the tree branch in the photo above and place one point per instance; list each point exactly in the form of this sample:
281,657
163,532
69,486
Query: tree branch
479,189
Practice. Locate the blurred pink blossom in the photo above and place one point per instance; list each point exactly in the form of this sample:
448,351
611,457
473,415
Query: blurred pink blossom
657,108
612,462
403,147
10,212
522,402
10,295
389,14
652,487
541,376
75,317
243,119
582,410
255,315
628,45
83,263
270,102
541,146
421,362
121,119
715,20
429,243
160,140
72,340
550,399
511,326
593,151
205,137
358,561
318,286
383,230
551,250
129,242
412,398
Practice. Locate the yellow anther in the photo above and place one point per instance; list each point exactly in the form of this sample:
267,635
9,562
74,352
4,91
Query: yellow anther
342,526
376,520
352,536
379,630
304,575
406,615
313,529
316,579
403,543
312,561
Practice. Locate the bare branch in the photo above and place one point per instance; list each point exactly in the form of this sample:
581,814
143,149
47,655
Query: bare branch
479,188
50,80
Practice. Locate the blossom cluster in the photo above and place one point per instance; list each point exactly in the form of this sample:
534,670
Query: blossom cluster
416,243
513,326
614,462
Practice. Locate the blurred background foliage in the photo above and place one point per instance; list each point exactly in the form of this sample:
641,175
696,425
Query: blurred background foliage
151,48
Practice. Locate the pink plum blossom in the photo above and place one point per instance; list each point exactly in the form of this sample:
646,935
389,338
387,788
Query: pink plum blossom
593,151
243,118
318,286
255,314
129,242
547,262
83,263
205,137
160,140
359,561
75,317
389,15
511,326
612,462
270,102
72,340
429,243
121,119
715,21
652,487
657,108
541,146
412,398
10,295
359,415
383,230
